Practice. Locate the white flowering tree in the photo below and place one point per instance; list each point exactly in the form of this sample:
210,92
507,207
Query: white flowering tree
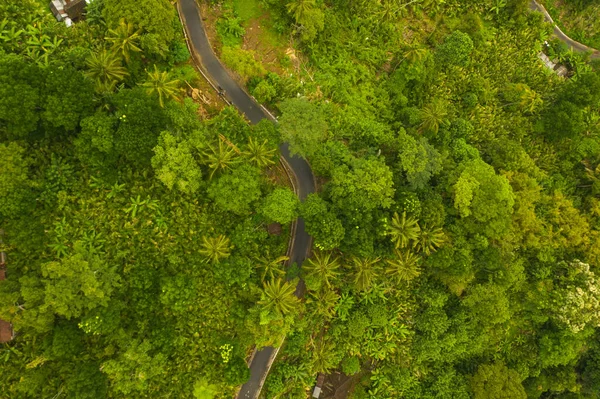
577,297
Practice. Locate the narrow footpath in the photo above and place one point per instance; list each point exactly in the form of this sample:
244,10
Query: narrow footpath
576,46
207,61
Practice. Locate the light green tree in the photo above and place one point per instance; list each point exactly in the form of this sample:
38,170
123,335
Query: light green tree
485,200
404,266
105,69
321,223
214,249
280,206
403,230
78,283
13,179
278,298
302,125
236,191
271,267
259,153
160,83
366,185
124,39
174,164
365,272
203,389
219,158
322,268
496,381
430,238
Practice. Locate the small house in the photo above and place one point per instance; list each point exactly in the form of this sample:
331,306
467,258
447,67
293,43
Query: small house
68,11
319,386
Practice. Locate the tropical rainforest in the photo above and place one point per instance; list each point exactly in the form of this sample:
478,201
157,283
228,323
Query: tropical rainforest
455,225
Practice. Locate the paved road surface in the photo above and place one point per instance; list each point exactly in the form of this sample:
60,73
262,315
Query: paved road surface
190,14
576,46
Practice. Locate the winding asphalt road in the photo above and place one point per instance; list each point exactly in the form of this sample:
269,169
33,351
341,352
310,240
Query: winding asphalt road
216,72
301,242
576,46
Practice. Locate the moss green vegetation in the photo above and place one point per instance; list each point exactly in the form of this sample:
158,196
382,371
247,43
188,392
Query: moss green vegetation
456,227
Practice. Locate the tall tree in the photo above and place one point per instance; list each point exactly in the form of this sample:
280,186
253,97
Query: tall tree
174,164
271,267
259,153
280,206
403,230
303,125
366,185
105,69
322,268
214,249
13,180
220,157
124,39
160,83
496,381
278,299
404,266
430,238
365,272
485,200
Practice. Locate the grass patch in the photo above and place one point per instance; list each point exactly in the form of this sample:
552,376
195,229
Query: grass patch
247,9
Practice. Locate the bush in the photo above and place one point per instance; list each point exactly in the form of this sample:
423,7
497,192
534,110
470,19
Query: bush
242,62
455,50
264,92
350,365
230,30
178,52
280,206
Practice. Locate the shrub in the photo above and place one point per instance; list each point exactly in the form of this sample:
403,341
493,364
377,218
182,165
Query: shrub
242,62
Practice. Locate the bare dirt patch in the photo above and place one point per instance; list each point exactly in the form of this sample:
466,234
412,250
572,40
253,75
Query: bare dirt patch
266,45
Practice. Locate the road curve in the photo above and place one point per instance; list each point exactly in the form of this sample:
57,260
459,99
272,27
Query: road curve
576,46
190,15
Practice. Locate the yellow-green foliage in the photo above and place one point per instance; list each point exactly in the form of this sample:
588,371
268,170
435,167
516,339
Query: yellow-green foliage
242,62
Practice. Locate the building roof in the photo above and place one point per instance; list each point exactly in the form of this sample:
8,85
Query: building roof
6,331
75,9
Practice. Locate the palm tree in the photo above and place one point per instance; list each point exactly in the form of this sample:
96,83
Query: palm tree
301,9
404,266
215,248
323,302
219,158
365,272
271,267
433,114
530,100
160,83
278,298
415,53
105,69
322,267
323,358
259,154
403,230
391,10
429,239
124,39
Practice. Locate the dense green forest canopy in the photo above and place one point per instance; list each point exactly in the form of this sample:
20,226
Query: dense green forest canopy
456,225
